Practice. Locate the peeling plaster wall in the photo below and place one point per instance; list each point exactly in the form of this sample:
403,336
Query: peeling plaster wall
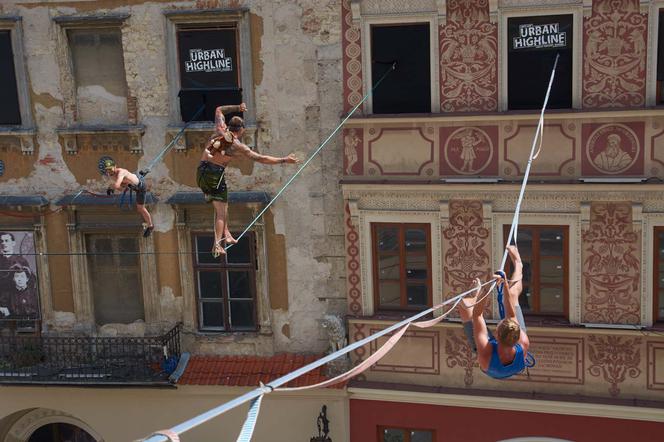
298,99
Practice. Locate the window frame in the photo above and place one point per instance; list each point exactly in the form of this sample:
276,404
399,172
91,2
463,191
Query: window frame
380,431
223,269
65,24
72,72
94,219
656,287
402,259
577,50
177,19
535,283
114,235
14,24
366,22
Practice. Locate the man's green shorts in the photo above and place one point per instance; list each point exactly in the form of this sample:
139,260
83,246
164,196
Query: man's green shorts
210,178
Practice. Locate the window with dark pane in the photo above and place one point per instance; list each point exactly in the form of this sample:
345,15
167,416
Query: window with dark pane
407,89
405,435
402,265
115,278
226,286
10,113
209,67
544,253
533,43
658,272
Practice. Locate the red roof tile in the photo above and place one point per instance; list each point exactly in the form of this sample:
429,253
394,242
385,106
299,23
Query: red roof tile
247,371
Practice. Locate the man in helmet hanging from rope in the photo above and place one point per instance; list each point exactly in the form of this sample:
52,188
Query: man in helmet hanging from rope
506,354
122,179
220,150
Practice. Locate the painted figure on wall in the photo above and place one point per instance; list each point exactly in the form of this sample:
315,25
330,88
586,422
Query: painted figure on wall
613,158
351,140
19,294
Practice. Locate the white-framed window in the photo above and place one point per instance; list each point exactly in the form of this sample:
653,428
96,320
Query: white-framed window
551,252
411,41
530,41
14,95
423,260
209,63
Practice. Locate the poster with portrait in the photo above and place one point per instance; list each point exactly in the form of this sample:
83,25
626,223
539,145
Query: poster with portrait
19,288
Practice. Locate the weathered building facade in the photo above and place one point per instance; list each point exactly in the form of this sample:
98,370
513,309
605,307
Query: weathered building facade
430,192
84,81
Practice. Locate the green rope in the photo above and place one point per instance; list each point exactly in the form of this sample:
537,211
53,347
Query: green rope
312,156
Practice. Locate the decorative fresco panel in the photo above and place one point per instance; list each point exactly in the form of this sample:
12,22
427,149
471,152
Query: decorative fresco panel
557,157
401,151
352,58
558,360
614,55
469,151
614,359
468,58
655,365
459,354
352,266
467,247
613,149
353,152
417,352
611,255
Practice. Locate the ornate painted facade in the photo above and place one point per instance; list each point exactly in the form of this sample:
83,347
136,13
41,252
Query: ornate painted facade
597,179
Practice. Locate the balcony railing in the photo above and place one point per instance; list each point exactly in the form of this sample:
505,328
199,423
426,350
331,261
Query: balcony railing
89,360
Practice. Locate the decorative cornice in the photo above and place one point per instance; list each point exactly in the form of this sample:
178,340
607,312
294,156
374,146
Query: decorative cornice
504,116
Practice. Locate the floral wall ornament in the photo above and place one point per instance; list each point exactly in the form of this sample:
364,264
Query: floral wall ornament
467,245
614,358
460,355
468,58
611,266
614,54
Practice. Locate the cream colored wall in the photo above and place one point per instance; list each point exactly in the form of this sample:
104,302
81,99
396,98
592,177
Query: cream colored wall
121,415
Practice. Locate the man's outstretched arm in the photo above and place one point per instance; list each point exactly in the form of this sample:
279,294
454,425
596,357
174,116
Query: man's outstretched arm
265,159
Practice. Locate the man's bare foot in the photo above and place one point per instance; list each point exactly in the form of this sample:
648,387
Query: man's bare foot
229,239
472,296
218,249
514,254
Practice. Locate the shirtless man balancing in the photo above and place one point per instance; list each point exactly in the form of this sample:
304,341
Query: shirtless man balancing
219,151
122,179
505,355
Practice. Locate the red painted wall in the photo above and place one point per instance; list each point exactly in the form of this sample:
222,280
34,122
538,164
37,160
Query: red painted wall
481,425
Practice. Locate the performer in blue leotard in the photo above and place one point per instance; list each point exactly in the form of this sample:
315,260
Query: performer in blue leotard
505,354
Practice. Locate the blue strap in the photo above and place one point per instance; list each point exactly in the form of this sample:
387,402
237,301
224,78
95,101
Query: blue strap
499,290
122,198
250,423
530,360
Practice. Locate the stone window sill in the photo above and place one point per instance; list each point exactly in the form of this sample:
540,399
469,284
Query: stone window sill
25,136
134,132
